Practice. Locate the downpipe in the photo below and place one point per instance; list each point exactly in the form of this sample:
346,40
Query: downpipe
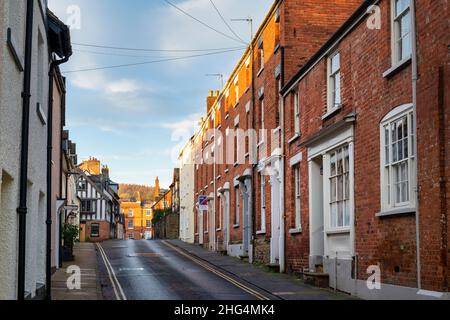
414,94
26,95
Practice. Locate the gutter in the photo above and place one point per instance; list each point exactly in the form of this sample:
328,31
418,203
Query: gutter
282,260
26,95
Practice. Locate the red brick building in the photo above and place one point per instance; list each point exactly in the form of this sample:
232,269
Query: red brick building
367,167
226,160
351,178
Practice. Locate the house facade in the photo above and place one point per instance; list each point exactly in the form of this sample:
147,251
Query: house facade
29,51
348,174
100,216
366,168
138,218
187,194
240,135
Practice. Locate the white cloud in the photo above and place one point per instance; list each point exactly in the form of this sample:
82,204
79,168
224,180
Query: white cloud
123,86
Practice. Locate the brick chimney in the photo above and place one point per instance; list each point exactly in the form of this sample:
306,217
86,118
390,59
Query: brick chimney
105,172
211,99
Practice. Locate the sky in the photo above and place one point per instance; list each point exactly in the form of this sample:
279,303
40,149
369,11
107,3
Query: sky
136,119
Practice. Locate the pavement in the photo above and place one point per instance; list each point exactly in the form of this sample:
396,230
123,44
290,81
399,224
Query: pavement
86,259
276,285
173,270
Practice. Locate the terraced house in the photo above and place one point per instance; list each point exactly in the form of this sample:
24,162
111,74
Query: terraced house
244,217
326,153
367,168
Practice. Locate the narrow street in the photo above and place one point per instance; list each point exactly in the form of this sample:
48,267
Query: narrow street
160,270
153,270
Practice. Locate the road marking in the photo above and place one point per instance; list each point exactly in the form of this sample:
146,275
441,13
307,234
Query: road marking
218,273
112,275
109,273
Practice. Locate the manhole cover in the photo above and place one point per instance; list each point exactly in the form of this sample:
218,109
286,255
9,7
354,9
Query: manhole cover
148,254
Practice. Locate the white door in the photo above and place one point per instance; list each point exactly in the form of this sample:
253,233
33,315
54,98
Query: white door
275,220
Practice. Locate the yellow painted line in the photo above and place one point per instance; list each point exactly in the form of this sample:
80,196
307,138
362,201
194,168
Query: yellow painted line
109,273
124,297
218,273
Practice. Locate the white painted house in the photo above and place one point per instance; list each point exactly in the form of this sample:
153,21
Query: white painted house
187,195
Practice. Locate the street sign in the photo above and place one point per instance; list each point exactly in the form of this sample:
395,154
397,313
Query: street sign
203,203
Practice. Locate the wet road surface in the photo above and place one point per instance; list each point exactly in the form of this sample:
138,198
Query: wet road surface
155,270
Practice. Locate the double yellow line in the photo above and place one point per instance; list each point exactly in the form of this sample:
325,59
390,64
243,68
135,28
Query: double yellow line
118,291
238,284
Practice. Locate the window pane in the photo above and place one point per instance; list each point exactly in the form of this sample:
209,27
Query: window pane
335,63
347,186
401,5
333,221
340,188
333,164
337,99
333,189
347,214
340,214
340,168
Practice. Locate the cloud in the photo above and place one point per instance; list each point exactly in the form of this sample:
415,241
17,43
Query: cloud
123,86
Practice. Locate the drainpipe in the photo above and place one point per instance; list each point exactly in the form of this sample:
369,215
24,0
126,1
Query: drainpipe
414,94
253,218
48,272
26,95
282,184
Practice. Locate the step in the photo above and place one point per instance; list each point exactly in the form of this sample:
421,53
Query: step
317,279
274,267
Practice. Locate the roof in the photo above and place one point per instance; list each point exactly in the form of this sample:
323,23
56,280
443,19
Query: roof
59,36
348,25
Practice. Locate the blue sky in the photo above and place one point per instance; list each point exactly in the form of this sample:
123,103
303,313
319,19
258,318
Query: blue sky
134,119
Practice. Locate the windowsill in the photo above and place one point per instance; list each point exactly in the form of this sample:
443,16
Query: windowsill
294,138
397,67
247,155
261,143
278,129
331,113
236,105
219,127
226,171
206,232
337,231
260,232
235,164
227,116
260,71
218,178
247,90
236,226
296,230
396,212
196,234
219,229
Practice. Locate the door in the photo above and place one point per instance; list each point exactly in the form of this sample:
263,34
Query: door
316,212
275,220
245,217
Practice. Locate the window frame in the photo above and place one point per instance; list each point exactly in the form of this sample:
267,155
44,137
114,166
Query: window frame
387,165
297,196
97,235
132,225
331,83
262,186
296,112
397,56
237,206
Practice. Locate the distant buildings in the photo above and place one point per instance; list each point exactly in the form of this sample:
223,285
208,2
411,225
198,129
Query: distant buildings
100,217
138,218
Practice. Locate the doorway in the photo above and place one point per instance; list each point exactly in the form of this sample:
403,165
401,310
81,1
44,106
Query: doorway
316,212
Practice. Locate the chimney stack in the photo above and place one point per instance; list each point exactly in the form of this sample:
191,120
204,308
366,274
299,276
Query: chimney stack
211,99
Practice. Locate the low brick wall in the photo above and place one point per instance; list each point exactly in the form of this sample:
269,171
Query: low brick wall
168,227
